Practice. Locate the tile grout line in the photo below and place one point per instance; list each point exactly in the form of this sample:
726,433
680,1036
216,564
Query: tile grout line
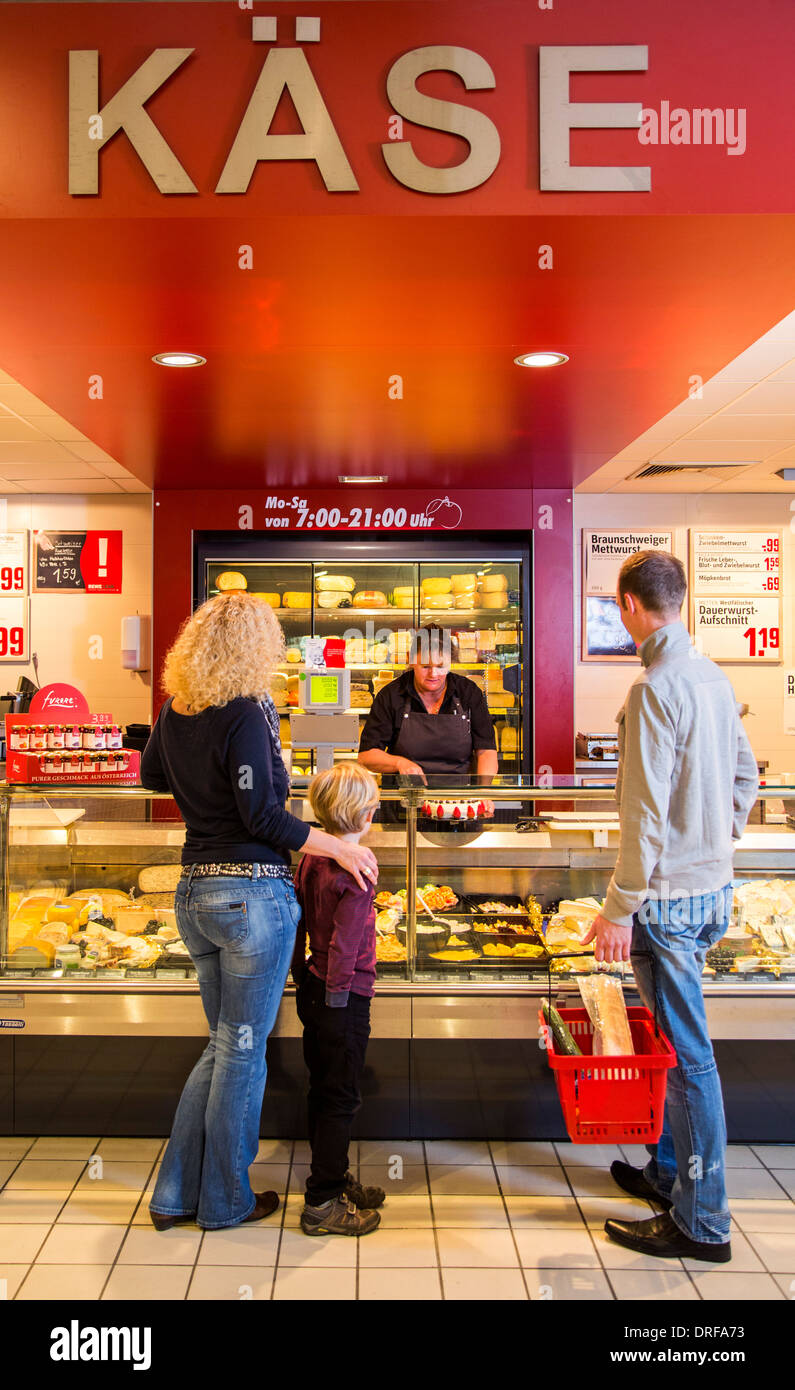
433,1222
52,1223
287,1193
606,1272
510,1223
123,1240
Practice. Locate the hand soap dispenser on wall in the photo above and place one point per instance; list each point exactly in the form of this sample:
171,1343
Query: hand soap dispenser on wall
135,644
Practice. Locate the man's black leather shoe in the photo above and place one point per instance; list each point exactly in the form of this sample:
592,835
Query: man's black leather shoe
661,1236
633,1181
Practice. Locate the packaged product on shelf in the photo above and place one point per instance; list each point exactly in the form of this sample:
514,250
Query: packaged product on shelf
297,598
437,602
404,596
493,584
464,583
436,586
334,598
56,736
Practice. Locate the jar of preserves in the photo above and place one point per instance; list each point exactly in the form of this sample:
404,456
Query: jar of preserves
113,736
73,736
55,761
56,737
19,738
38,738
88,734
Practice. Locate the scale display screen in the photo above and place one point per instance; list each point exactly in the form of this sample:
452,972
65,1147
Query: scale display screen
324,690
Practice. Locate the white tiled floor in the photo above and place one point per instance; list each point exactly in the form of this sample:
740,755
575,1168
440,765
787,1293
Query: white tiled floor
462,1221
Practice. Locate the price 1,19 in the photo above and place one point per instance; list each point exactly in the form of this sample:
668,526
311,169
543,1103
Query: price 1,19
12,641
760,638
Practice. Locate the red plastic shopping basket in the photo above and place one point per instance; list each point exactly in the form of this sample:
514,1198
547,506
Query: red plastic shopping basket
612,1098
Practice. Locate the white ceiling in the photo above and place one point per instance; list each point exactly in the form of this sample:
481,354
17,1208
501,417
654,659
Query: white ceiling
745,413
42,452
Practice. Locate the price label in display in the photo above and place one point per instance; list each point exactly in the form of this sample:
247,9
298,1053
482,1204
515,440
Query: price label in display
728,629
14,630
736,562
789,702
13,563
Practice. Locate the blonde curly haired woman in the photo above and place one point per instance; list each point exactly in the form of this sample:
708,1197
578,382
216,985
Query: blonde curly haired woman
215,747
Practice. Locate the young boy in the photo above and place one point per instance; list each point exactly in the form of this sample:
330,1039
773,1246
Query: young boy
335,986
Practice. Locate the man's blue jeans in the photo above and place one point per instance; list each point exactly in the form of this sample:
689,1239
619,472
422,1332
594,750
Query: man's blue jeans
240,933
688,1164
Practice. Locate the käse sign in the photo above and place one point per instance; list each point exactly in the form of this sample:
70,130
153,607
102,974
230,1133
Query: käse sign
94,122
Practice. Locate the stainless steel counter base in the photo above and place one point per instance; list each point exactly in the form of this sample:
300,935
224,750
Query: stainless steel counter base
399,1011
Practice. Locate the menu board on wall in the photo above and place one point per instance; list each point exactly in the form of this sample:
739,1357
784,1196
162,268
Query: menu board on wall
13,563
14,630
735,595
77,562
604,637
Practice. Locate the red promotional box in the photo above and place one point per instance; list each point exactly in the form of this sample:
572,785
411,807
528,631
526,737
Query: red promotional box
85,750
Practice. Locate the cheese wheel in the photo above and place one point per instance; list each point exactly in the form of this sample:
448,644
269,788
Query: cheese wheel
370,598
278,682
437,601
356,651
293,654
507,637
437,586
328,583
297,598
405,591
272,600
380,652
230,579
492,583
500,699
466,601
494,600
280,699
332,598
464,583
486,639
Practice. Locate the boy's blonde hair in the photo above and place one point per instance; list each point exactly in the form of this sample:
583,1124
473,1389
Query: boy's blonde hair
342,796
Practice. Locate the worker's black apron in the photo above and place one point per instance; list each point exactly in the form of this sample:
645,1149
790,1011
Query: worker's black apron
440,743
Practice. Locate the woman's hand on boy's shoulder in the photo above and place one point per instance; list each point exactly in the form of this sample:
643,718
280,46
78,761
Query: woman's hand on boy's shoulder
359,862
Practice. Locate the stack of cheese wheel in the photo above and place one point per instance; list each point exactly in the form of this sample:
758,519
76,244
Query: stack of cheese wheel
498,697
400,647
384,677
493,591
465,590
436,594
297,598
356,651
404,596
334,590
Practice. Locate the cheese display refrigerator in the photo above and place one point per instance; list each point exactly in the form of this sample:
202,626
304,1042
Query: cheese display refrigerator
372,593
100,1015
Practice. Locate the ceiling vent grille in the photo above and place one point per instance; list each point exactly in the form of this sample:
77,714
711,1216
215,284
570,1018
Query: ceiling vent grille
661,470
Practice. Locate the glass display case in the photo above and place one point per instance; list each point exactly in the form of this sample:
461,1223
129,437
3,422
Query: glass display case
372,594
465,903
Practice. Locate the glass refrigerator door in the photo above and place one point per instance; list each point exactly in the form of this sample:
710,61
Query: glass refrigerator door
373,608
481,604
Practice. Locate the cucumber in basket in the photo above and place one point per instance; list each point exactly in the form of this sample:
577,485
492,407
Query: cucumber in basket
565,1042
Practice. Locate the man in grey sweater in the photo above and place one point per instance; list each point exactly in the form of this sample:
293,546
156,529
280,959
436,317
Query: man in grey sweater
687,780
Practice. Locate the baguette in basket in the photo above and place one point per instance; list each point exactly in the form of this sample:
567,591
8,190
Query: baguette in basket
603,997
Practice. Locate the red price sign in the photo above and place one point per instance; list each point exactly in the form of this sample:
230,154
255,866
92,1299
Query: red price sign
760,638
14,643
12,579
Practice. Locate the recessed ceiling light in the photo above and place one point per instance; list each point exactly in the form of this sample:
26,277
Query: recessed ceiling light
371,478
540,359
179,359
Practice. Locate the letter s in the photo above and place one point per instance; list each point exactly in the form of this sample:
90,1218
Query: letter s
480,133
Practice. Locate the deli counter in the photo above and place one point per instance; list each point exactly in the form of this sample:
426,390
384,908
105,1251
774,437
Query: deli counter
481,913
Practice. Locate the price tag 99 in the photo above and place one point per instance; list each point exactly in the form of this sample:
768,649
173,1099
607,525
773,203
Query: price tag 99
12,641
12,579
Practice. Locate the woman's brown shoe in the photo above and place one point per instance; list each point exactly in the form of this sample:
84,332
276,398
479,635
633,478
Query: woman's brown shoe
164,1223
267,1203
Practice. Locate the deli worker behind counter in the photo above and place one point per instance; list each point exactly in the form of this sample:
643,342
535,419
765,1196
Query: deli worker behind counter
430,721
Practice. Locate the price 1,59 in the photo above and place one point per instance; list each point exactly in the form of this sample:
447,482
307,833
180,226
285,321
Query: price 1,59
760,638
12,641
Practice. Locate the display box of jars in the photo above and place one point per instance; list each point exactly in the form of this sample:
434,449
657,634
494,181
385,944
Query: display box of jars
88,750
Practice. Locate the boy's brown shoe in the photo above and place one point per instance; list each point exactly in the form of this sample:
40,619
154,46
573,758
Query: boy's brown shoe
338,1217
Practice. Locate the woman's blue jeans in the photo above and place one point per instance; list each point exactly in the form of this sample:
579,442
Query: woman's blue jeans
688,1164
240,933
